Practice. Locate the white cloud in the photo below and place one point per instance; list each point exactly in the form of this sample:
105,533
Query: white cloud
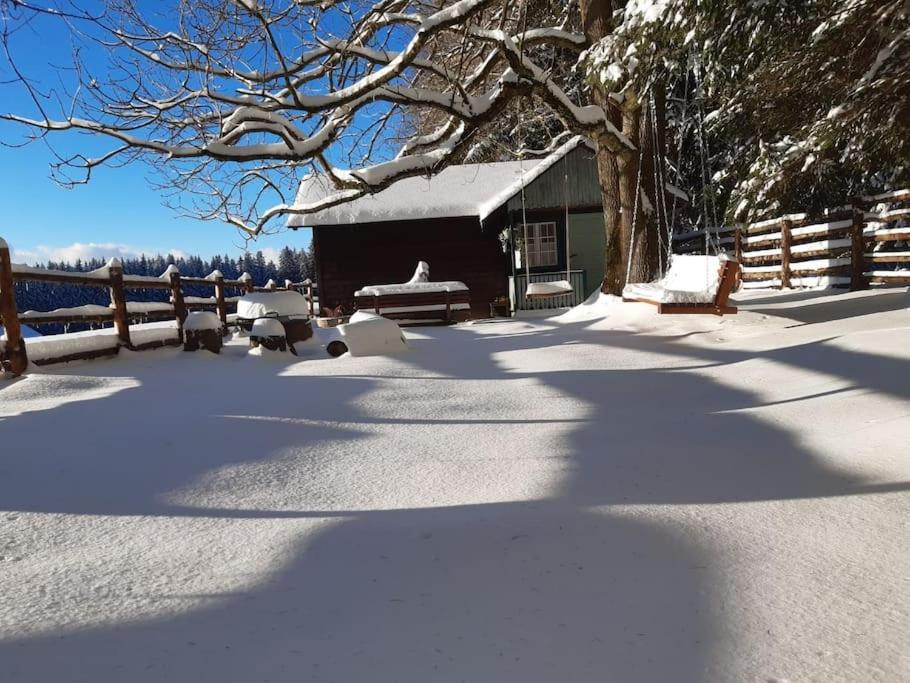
270,253
85,251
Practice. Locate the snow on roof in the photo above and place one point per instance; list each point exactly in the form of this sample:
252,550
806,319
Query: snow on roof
456,191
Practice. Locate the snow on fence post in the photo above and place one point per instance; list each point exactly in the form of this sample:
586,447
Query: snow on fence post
9,315
220,305
177,297
785,226
247,281
857,248
118,300
309,298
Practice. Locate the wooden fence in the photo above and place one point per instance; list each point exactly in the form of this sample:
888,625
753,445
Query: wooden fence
122,312
863,243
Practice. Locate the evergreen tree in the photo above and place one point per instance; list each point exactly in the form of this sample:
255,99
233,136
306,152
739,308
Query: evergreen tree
288,265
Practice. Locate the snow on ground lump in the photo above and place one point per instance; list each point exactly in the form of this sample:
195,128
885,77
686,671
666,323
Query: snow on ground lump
608,496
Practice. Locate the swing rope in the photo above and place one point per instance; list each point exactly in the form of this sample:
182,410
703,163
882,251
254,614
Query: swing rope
665,243
710,236
565,164
524,218
634,218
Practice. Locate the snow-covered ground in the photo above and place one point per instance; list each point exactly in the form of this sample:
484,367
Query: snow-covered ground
588,498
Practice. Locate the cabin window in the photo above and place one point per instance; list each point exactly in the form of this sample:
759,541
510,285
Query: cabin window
541,247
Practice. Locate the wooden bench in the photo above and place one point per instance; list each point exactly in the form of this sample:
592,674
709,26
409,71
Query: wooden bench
419,307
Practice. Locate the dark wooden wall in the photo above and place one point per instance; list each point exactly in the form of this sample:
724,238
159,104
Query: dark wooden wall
550,190
349,257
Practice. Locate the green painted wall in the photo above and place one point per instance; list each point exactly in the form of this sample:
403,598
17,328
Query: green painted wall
587,246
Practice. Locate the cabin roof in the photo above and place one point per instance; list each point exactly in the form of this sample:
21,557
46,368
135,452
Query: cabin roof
464,190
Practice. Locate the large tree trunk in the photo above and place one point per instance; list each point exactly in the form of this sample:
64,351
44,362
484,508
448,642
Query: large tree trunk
595,16
646,251
619,176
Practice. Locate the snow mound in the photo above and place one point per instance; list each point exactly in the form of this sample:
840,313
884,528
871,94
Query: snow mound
368,334
267,327
595,307
202,320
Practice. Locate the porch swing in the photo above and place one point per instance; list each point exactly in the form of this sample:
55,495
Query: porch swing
693,283
544,291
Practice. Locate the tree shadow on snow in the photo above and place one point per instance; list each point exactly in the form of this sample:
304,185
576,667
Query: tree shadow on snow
560,588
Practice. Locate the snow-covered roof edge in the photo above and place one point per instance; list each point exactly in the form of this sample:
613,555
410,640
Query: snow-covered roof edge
485,209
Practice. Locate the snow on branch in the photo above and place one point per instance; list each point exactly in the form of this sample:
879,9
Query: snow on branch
233,102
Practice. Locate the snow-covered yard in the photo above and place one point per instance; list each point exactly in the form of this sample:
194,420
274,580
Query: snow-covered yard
628,498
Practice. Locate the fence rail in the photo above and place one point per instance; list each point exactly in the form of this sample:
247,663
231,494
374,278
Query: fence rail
121,312
856,245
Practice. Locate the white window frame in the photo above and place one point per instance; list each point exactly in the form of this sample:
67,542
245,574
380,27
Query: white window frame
542,248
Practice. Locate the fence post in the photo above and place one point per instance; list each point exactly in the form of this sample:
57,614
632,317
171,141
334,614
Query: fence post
857,248
785,253
220,304
738,253
9,314
309,298
118,299
177,297
247,281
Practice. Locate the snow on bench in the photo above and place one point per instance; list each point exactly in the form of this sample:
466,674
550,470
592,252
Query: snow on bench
419,297
418,284
413,288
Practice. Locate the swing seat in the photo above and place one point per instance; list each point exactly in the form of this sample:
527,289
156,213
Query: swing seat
694,284
548,290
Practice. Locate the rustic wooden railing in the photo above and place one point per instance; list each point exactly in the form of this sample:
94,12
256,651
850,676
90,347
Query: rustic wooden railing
842,247
121,312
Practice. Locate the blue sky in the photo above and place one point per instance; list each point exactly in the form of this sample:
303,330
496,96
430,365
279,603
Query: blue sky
117,213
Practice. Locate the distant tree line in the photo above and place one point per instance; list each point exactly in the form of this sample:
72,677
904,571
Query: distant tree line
293,264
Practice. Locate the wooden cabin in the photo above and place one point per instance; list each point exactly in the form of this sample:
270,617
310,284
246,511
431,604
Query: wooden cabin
466,222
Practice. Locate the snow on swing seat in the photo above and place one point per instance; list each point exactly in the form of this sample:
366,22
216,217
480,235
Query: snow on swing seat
693,284
548,289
